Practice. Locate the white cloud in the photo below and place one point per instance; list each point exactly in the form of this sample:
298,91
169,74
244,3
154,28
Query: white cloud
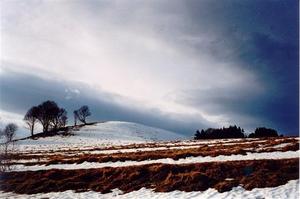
71,93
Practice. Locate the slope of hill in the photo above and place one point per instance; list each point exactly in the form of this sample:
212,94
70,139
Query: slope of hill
117,130
105,133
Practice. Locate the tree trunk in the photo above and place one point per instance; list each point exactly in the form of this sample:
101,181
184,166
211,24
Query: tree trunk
32,128
45,128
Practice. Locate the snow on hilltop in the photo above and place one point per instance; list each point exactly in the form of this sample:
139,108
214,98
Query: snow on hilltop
104,134
126,131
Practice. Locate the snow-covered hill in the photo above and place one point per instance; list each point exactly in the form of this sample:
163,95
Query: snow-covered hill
116,130
103,134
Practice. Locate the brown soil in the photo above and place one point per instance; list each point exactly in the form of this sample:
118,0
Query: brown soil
160,177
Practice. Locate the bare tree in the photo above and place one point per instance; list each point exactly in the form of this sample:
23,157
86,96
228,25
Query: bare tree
1,133
63,120
75,117
7,148
10,132
60,118
47,113
43,115
83,113
31,118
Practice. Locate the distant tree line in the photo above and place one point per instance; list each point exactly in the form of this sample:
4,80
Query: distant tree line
52,117
263,132
230,132
233,132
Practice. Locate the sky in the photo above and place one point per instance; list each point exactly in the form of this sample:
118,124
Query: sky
178,65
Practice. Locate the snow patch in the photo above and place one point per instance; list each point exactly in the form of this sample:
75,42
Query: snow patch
188,160
289,190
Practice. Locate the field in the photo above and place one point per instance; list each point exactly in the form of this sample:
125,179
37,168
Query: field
227,168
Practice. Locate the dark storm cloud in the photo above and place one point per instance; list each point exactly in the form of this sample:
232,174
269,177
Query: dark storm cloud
20,91
248,109
264,39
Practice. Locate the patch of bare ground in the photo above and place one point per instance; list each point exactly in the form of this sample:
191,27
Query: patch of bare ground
160,177
175,154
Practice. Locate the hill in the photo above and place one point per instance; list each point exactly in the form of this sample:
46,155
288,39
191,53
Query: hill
106,133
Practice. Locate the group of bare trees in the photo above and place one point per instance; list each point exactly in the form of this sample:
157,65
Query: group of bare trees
52,117
48,114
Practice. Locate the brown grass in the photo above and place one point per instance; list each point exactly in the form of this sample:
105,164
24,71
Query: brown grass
160,177
203,150
165,144
174,154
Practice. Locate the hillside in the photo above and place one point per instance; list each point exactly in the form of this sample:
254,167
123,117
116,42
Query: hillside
104,133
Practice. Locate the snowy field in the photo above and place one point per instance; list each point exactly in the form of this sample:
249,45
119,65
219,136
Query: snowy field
127,149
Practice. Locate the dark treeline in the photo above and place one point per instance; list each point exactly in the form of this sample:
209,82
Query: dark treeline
233,132
263,132
230,132
52,117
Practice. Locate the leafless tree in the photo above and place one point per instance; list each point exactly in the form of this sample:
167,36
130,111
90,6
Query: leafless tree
10,132
51,116
46,114
60,118
31,118
75,117
7,148
83,113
